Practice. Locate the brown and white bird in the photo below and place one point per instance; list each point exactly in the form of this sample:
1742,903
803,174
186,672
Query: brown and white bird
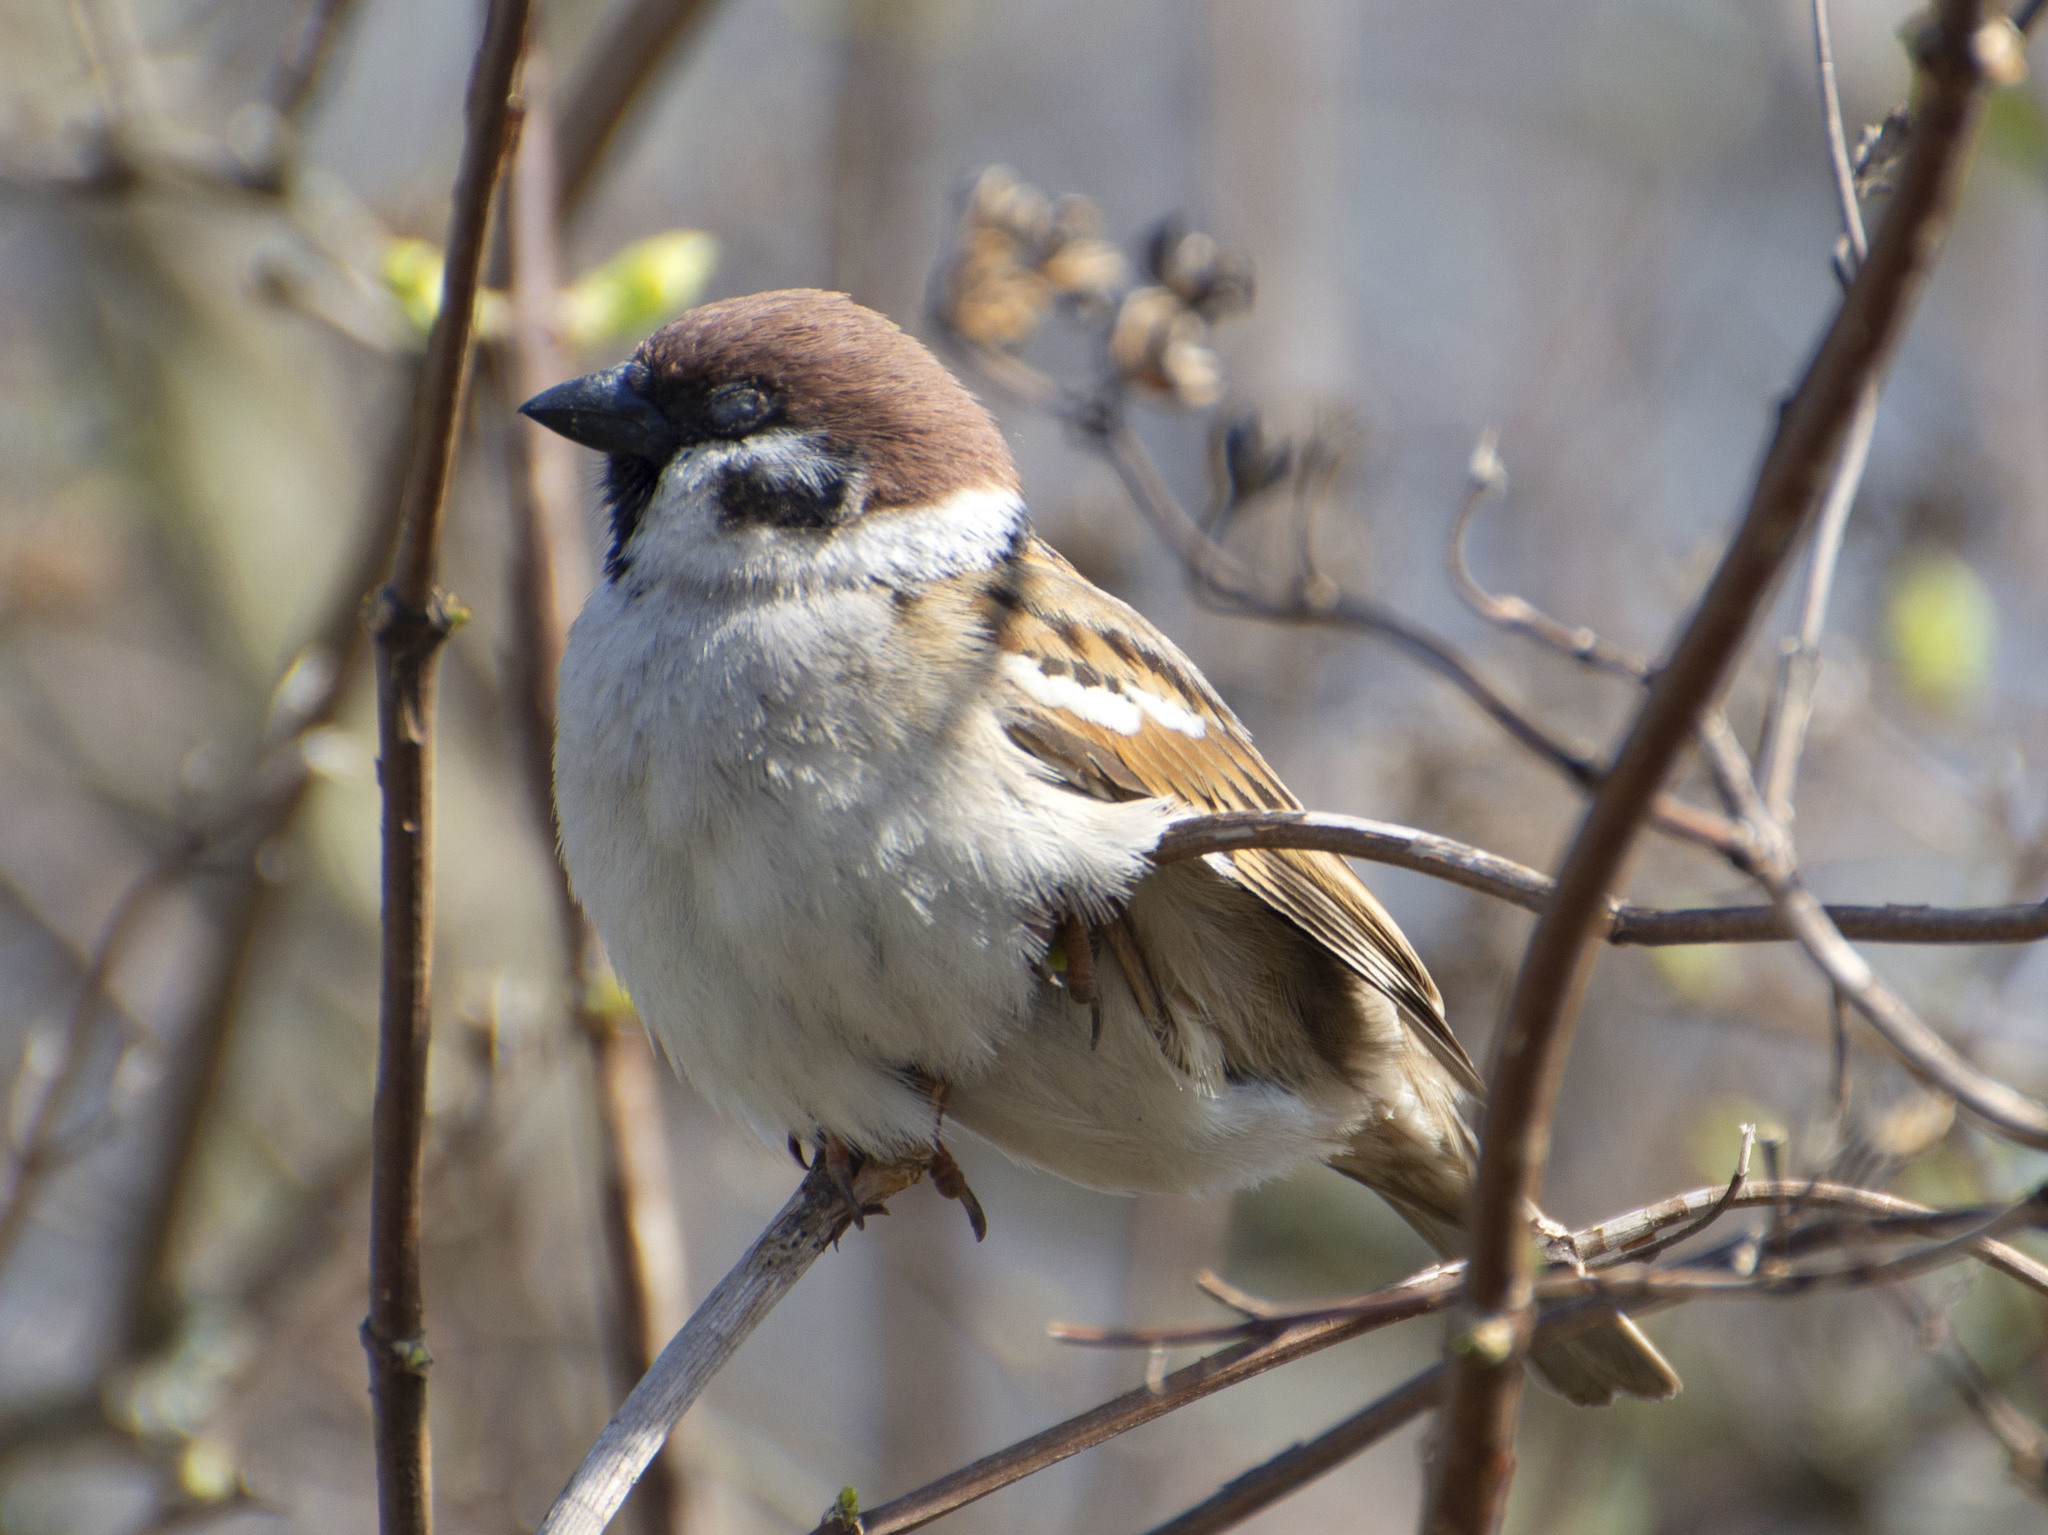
857,779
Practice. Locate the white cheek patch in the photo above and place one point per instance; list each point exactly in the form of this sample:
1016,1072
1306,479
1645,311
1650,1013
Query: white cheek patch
1124,712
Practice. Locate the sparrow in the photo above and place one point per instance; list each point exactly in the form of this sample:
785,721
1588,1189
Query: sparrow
857,779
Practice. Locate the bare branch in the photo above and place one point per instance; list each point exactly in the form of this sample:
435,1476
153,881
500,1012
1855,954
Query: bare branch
410,619
1838,141
1474,868
1468,1489
1264,1485
1514,614
1273,1336
1220,575
816,1216
1925,1053
42,1087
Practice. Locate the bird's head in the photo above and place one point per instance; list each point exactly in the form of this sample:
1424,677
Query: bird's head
790,439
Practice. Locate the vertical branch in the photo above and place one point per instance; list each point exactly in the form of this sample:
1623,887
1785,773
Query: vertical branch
551,572
1791,707
1490,1339
409,619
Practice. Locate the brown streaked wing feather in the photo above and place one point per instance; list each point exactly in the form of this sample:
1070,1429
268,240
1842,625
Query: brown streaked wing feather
1072,629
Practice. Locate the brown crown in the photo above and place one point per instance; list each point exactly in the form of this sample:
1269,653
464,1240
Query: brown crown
877,394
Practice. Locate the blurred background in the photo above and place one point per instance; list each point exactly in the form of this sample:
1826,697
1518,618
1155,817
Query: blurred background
1601,226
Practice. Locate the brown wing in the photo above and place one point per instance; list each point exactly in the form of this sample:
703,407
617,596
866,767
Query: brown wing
1112,707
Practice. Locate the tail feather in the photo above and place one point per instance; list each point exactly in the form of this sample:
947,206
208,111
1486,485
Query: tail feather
1612,1359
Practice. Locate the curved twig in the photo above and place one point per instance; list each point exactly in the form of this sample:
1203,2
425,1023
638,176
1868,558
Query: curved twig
1459,863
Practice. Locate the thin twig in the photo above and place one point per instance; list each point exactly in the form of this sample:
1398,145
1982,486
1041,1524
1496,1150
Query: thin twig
1264,1485
815,1217
1650,1231
1838,141
1925,1053
1273,1336
1790,709
1472,868
1515,614
1469,1486
410,619
1223,580
551,573
45,1089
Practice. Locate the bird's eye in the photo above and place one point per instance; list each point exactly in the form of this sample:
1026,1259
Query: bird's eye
736,409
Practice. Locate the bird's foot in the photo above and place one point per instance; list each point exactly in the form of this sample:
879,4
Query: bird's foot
952,1183
841,1163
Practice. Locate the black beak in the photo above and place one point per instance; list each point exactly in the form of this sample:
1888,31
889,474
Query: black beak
604,411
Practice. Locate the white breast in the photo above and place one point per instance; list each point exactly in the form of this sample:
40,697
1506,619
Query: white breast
812,854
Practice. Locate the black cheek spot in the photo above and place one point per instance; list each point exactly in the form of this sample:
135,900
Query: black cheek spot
749,494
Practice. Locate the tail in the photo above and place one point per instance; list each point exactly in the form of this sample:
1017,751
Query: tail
1591,1370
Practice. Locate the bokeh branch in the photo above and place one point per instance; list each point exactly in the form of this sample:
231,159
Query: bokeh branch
635,39
551,574
409,620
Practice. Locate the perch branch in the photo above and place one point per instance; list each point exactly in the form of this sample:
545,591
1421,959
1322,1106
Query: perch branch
816,1216
1469,1486
409,619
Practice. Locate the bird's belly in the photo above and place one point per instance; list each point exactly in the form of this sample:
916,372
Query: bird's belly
809,918
799,954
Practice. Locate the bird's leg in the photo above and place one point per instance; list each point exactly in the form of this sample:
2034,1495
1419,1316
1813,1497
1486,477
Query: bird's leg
946,1175
1071,955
